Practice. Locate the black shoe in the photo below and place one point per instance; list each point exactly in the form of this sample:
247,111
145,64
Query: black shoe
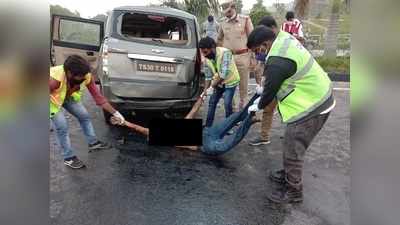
277,176
74,163
259,141
286,194
98,145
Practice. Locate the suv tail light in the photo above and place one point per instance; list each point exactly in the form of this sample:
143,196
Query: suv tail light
104,57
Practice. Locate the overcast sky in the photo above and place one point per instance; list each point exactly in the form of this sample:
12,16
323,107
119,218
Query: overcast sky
90,8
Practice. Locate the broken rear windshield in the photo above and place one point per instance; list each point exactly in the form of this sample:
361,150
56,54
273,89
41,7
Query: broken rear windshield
156,29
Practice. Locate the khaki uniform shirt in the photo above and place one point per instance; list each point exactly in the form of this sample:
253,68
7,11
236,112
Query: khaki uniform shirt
233,32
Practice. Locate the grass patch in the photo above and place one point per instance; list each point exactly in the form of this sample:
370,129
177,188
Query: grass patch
337,65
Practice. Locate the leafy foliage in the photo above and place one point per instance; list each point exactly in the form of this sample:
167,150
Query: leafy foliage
59,10
213,6
199,8
258,12
171,3
239,6
335,64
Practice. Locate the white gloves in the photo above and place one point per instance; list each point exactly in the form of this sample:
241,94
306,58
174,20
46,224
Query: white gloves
210,91
203,95
120,119
254,107
259,89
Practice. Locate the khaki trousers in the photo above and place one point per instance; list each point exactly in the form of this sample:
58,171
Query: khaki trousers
268,113
242,62
266,121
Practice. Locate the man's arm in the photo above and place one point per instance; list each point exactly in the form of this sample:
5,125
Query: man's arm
218,78
300,37
195,109
301,34
208,73
137,128
99,98
249,26
276,71
226,62
53,84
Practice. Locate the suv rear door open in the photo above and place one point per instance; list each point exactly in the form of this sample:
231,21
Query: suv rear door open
73,35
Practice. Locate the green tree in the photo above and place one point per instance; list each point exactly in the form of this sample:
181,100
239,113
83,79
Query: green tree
102,18
59,10
239,6
258,12
199,8
171,4
214,9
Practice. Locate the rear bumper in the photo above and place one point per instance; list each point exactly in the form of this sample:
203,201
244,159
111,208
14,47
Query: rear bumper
160,105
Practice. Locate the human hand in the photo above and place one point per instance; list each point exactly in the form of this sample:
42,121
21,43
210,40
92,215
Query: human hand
257,101
203,95
210,91
259,89
117,118
253,108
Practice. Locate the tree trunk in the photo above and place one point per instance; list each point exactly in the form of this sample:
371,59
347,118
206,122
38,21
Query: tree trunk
301,8
331,43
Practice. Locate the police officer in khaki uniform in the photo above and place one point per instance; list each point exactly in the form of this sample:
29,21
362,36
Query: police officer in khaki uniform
233,33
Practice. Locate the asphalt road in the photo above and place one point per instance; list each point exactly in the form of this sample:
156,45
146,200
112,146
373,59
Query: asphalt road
136,184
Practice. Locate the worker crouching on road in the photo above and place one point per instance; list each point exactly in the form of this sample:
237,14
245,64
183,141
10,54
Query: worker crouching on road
303,91
221,74
66,83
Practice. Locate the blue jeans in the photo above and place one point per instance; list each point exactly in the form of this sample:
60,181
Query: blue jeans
61,126
219,92
214,141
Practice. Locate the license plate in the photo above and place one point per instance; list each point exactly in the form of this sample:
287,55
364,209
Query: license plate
156,67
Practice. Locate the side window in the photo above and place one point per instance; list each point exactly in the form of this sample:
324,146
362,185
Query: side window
79,32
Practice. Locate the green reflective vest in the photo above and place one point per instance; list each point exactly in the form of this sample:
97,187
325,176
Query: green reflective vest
308,88
233,77
57,98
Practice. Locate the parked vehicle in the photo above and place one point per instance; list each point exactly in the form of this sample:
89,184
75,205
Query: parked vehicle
147,59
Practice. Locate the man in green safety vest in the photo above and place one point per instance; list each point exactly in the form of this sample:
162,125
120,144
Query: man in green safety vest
221,74
66,83
303,92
